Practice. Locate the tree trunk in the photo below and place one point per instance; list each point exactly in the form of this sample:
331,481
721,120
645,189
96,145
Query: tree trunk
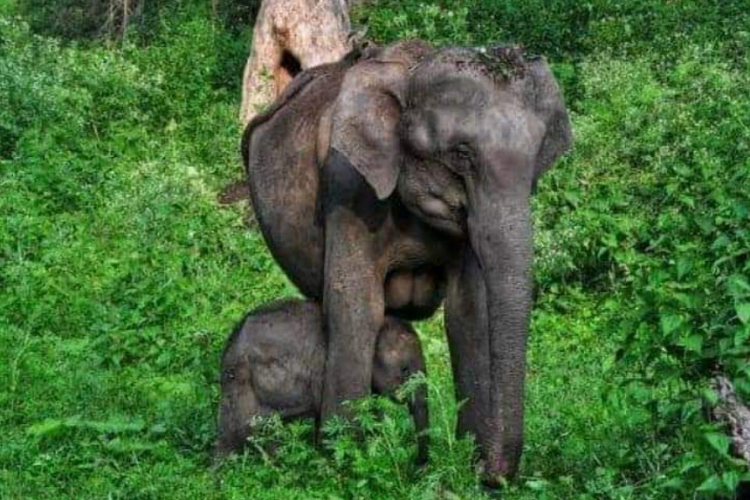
119,15
125,19
289,36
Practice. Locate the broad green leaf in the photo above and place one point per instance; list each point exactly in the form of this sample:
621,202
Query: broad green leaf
684,266
710,395
670,323
743,311
691,407
705,223
537,484
730,479
674,483
719,442
741,335
711,485
690,464
692,343
739,286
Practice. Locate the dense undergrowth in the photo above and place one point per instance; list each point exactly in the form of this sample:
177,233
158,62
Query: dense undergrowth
120,277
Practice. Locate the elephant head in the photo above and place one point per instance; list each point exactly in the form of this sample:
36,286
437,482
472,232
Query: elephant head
461,136
398,356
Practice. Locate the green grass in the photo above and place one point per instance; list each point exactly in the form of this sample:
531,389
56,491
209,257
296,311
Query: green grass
79,428
121,277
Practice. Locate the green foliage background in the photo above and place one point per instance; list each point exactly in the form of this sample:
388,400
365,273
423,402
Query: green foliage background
120,277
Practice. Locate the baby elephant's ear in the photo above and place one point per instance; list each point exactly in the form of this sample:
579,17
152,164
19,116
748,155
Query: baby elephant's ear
365,122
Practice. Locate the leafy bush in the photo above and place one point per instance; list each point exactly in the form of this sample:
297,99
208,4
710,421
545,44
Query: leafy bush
567,32
564,29
655,204
92,19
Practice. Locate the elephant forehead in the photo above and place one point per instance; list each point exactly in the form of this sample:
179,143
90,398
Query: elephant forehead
448,89
499,64
487,117
511,126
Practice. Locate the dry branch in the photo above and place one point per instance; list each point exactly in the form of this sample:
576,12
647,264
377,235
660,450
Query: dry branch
119,15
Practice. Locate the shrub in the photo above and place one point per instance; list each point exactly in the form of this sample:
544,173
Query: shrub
97,19
653,205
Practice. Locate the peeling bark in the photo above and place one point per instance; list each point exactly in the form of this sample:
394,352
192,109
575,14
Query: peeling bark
735,415
289,36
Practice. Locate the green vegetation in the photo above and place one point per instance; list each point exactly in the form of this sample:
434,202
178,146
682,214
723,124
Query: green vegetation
120,277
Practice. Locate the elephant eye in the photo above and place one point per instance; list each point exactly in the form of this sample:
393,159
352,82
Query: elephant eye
463,150
462,158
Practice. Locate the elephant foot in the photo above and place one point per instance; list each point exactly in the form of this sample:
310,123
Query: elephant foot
495,472
491,478
495,491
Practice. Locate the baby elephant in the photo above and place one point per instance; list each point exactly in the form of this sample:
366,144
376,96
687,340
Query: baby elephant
274,362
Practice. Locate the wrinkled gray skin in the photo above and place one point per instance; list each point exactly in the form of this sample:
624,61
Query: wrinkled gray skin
391,179
273,363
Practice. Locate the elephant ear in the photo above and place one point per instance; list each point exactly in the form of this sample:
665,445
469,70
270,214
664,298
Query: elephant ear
366,114
365,122
549,106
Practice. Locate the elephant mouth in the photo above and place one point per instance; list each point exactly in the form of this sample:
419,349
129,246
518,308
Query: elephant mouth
435,193
439,214
454,226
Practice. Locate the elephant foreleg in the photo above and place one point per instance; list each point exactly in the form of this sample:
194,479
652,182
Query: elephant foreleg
353,297
353,307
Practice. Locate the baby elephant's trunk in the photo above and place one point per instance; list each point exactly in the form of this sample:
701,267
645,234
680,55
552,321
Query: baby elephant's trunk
418,405
419,412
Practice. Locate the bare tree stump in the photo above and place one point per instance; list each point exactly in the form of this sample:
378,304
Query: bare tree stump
289,36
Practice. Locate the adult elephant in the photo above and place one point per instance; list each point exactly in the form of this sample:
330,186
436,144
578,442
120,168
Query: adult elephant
401,174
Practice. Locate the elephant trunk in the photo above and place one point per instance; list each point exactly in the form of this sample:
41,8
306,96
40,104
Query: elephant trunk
500,233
